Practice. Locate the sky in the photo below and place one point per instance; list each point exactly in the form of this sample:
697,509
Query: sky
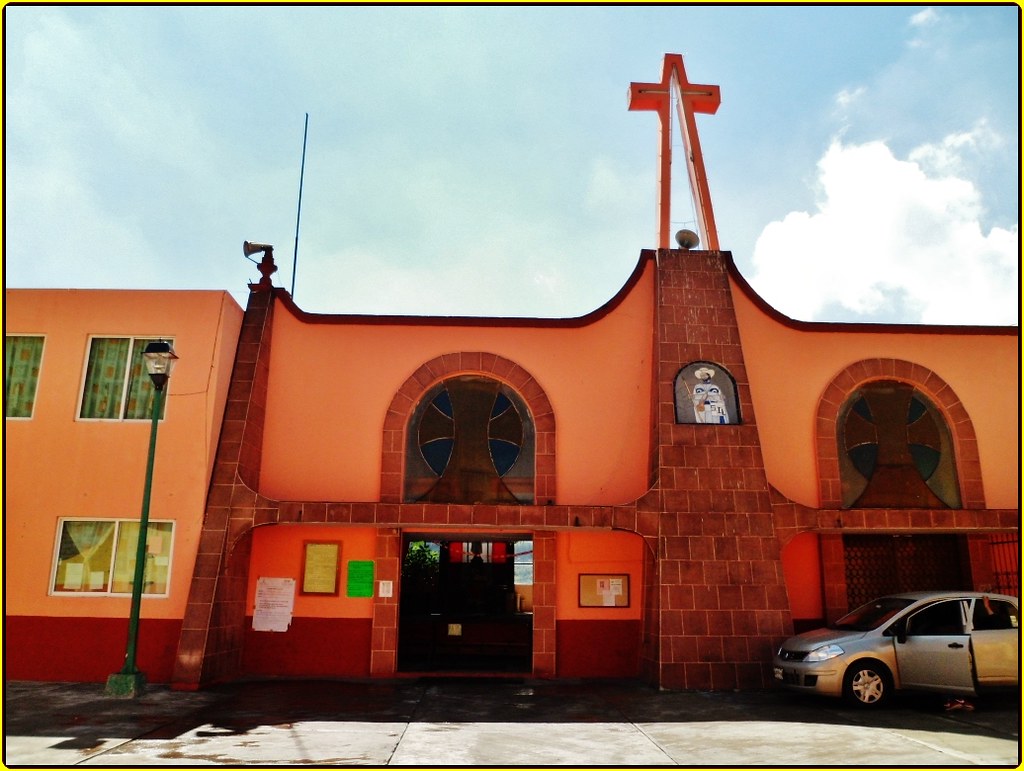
481,161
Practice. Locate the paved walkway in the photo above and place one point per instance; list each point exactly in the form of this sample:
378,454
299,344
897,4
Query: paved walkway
485,722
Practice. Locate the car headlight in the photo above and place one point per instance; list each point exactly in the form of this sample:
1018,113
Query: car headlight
824,653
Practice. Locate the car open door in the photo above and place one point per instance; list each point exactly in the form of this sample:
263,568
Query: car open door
995,642
933,653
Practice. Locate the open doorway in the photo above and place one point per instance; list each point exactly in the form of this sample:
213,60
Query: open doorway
466,603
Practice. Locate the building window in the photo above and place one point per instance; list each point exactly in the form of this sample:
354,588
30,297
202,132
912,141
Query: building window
23,355
116,384
471,440
522,562
97,557
895,450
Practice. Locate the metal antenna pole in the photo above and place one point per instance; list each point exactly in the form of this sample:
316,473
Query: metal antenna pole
298,212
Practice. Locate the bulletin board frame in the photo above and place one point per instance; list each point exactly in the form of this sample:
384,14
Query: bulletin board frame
604,590
321,568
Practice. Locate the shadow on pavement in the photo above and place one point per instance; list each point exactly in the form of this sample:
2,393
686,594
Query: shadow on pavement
86,717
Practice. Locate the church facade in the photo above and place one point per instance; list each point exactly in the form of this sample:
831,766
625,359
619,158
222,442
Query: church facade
663,489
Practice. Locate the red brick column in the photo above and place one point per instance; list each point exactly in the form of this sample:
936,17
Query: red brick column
722,601
544,604
833,569
384,638
210,646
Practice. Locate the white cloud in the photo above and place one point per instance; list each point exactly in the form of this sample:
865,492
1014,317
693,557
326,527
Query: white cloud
847,97
924,18
890,237
949,156
921,21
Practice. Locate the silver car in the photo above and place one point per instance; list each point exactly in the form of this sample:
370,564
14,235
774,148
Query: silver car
956,643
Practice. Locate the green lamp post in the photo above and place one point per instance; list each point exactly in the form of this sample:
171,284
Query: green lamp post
130,682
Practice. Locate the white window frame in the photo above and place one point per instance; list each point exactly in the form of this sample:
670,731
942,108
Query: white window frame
55,563
39,380
531,561
125,381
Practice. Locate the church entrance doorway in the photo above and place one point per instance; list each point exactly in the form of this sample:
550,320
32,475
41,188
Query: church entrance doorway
466,603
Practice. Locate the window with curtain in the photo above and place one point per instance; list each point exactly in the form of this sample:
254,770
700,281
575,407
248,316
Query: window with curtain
117,386
23,355
98,557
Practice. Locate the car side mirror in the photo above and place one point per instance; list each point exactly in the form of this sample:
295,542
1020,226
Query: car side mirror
899,631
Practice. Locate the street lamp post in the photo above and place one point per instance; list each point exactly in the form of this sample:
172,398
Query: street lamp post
130,682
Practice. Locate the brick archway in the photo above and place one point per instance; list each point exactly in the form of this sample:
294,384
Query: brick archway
935,388
467,363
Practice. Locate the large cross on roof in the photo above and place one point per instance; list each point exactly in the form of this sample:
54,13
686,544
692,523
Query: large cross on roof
690,98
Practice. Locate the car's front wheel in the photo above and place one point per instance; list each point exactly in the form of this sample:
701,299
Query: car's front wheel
867,684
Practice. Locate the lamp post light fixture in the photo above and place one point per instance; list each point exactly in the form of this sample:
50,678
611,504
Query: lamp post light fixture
130,682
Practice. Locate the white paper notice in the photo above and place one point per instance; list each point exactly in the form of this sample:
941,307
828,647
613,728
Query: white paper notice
275,599
610,590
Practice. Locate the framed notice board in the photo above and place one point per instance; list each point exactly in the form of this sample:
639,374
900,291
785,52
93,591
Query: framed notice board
604,590
320,563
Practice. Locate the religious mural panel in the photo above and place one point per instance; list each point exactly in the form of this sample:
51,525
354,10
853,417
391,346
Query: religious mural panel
706,393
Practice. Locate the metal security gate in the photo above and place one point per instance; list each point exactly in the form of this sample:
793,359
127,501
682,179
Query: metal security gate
886,564
1006,563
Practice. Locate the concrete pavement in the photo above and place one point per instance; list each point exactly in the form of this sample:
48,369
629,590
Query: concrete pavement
459,722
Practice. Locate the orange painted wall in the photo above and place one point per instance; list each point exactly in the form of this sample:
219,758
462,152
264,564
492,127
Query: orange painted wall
57,466
790,368
277,552
326,444
597,551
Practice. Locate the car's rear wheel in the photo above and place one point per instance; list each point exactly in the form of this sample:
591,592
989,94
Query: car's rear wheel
867,684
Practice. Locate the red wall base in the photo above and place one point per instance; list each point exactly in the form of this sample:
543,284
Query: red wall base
598,648
320,647
86,649
91,649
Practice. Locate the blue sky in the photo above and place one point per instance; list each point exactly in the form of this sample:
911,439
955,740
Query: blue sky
863,164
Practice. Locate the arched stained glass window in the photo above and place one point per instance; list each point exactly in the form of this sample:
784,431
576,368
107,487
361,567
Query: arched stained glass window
470,440
895,450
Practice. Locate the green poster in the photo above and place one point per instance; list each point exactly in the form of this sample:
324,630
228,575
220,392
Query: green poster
360,578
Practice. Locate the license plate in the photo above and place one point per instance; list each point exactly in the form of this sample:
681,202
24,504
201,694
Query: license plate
778,673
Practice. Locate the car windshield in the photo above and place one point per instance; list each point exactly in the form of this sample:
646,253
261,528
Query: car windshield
871,615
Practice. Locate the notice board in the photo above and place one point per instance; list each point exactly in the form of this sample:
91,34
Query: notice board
275,599
320,563
604,590
360,578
